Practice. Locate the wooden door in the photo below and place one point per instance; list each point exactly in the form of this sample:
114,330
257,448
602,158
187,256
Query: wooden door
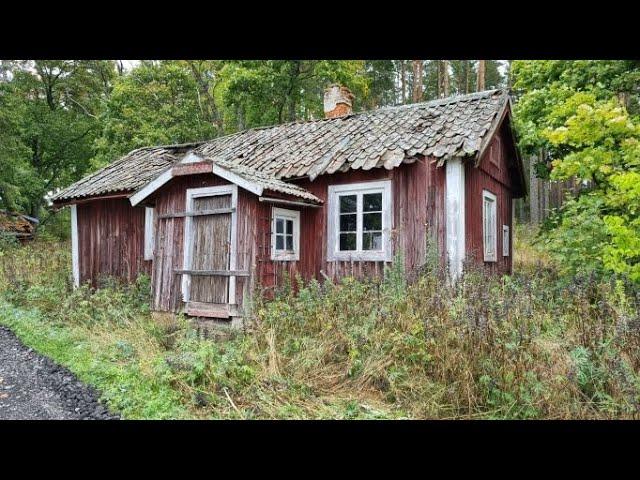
211,249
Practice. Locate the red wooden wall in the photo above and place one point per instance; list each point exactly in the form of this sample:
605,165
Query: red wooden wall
418,197
110,240
111,232
491,174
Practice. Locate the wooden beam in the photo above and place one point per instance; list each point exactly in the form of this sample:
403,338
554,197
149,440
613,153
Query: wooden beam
288,202
237,179
215,273
78,201
210,310
75,255
215,211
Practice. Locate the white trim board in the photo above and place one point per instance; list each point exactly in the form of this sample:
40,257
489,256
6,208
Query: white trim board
455,216
167,175
151,187
149,232
237,179
75,254
188,235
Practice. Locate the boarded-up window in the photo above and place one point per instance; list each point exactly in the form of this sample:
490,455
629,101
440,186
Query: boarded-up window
489,227
149,232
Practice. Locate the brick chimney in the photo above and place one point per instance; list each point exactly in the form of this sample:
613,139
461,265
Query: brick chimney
337,101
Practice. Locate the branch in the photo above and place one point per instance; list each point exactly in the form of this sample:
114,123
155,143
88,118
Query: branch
81,106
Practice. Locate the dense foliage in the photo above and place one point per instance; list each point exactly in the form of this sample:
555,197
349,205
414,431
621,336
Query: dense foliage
585,115
62,119
534,345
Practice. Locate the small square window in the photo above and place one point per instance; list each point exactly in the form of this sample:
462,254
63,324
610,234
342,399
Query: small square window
285,234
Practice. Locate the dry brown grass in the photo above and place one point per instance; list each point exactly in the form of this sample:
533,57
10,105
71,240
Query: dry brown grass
533,345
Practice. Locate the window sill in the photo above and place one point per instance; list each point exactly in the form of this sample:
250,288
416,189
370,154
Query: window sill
285,257
359,257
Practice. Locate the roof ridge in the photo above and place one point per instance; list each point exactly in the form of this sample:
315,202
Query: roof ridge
429,103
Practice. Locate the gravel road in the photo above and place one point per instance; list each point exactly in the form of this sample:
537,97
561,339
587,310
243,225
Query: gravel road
33,387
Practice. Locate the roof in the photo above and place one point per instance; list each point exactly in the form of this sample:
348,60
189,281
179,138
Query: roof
265,181
442,129
128,173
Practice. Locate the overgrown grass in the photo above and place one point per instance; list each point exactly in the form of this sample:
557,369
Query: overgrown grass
533,345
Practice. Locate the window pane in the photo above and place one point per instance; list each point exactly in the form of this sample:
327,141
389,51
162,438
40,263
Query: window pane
289,227
372,221
372,202
348,223
372,241
279,242
289,242
279,225
348,203
347,241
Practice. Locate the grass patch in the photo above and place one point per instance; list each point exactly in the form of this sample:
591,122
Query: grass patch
532,345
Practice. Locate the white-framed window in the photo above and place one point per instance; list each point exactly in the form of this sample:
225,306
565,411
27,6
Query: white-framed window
149,232
285,234
505,240
489,226
359,221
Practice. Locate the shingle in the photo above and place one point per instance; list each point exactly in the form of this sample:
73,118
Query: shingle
444,128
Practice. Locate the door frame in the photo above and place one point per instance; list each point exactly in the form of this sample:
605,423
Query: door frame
188,235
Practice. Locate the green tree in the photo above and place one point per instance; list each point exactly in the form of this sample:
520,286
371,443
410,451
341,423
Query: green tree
155,103
50,125
259,93
582,114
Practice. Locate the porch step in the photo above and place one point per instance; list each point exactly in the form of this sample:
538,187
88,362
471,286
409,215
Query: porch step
209,310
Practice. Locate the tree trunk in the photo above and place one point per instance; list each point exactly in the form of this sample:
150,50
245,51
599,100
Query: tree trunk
417,81
534,205
481,75
466,76
203,88
403,81
445,78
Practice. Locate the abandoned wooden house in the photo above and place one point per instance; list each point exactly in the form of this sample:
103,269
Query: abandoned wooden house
211,221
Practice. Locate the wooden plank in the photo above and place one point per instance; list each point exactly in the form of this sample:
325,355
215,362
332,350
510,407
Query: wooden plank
214,273
191,168
75,259
211,250
215,211
288,202
211,310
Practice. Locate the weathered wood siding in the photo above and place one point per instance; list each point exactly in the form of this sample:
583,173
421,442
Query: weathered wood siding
111,232
492,174
110,240
168,253
418,199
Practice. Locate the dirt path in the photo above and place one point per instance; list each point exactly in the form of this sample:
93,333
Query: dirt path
33,387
